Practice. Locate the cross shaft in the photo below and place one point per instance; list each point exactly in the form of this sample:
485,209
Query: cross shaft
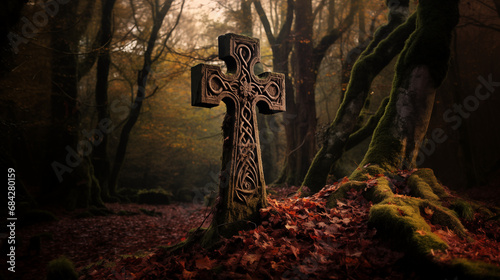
242,178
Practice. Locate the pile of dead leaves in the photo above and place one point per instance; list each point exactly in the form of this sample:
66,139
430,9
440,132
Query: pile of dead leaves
125,230
299,238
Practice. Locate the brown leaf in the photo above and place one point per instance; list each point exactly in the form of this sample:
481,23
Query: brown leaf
250,258
428,211
188,274
204,263
421,232
309,224
294,227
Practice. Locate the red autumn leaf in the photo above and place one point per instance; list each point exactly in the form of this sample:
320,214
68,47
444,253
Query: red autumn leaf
401,212
188,274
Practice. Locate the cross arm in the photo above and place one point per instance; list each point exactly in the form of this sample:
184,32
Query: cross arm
208,86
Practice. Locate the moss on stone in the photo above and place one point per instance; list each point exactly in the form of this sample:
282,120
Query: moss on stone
467,269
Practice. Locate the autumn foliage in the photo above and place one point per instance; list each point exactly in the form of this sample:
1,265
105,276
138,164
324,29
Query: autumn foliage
300,238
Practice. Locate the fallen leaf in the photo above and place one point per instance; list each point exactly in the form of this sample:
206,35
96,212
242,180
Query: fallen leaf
204,263
421,232
250,258
294,227
428,211
188,274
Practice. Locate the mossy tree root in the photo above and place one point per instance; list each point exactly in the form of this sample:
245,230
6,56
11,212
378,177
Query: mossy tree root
403,218
406,220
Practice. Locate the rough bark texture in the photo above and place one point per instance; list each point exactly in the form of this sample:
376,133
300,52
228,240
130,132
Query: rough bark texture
9,17
71,187
142,79
100,158
406,219
305,78
379,53
300,119
420,70
281,48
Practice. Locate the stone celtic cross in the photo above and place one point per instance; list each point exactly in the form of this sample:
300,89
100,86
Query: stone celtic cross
241,188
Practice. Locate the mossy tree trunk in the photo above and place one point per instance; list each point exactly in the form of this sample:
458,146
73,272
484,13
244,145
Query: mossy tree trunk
300,118
388,41
420,69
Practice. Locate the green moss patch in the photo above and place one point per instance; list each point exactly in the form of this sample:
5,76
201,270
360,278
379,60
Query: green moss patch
405,220
427,175
154,196
380,191
420,188
399,219
61,269
467,269
463,209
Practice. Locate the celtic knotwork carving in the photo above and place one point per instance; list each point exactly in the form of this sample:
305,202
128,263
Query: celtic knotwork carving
244,90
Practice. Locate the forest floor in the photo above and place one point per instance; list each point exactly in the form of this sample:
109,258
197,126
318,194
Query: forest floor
299,238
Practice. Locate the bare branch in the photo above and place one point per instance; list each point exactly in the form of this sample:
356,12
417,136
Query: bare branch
169,34
319,7
265,22
287,26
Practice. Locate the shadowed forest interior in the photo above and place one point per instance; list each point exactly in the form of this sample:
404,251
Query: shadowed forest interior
373,152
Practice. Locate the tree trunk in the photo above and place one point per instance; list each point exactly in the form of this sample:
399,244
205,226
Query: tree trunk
142,79
100,158
305,79
497,6
421,68
379,53
66,153
281,48
302,119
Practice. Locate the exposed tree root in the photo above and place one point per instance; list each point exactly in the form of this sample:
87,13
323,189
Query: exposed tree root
406,205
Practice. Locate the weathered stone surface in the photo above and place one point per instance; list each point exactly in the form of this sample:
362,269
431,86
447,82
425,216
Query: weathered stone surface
241,188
